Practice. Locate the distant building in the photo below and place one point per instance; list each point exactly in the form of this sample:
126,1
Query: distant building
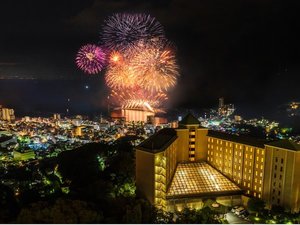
225,110
7,114
56,116
132,115
78,131
179,167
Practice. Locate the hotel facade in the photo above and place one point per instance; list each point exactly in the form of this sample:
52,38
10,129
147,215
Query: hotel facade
182,167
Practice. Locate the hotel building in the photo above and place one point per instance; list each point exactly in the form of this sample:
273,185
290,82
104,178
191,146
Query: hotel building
181,167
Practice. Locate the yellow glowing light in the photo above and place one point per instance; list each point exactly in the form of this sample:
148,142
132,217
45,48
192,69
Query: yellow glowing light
90,56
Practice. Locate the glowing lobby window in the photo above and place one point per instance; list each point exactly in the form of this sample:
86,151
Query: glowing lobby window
197,178
259,195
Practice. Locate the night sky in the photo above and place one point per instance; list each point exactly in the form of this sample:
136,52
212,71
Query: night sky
246,51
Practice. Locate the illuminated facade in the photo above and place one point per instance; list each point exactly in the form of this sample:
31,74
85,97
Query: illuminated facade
7,114
176,164
132,115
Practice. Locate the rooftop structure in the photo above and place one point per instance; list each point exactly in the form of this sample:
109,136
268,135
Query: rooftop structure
198,180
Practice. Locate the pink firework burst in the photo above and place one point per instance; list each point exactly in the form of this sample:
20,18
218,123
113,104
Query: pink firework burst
91,59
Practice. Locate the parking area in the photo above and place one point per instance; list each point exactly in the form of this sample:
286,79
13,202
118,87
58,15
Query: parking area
234,219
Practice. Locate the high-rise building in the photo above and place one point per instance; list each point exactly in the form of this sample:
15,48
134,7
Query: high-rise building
221,102
179,167
56,116
7,114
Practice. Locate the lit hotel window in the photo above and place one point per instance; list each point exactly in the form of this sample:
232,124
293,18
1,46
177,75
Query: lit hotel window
257,151
262,160
230,144
246,156
261,167
259,195
240,147
226,143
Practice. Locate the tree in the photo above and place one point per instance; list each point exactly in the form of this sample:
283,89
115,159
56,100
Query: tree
256,205
62,211
8,204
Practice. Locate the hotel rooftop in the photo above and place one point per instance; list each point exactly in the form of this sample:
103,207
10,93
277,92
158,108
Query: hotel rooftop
200,179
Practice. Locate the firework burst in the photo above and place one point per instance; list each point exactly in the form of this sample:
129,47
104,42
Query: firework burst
137,97
91,59
155,67
123,30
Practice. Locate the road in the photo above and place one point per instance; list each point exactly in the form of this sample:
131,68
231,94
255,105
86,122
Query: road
234,219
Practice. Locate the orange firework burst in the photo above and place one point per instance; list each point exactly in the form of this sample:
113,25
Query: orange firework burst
155,68
115,57
120,76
